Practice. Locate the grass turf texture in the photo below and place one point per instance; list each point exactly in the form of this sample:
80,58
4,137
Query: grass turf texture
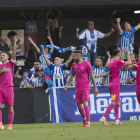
130,130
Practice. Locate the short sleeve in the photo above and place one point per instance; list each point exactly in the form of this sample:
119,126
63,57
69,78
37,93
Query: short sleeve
30,82
69,73
63,66
123,34
105,69
49,54
131,74
120,63
133,30
21,77
30,74
72,69
40,53
89,68
100,34
82,35
51,66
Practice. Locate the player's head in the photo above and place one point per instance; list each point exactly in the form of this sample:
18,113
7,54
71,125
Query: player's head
46,50
37,64
53,24
127,26
31,14
4,56
90,25
57,61
3,39
117,53
77,55
25,73
98,61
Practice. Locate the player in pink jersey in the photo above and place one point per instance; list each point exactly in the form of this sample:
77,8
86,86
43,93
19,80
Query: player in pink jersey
6,82
82,69
114,67
137,67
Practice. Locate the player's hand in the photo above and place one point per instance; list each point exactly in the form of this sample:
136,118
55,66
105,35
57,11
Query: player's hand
30,39
126,50
47,27
104,85
108,54
135,65
96,91
77,29
6,69
65,87
61,27
19,68
73,82
112,30
91,89
118,20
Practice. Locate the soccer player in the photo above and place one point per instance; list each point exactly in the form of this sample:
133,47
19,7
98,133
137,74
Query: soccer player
114,84
82,69
6,83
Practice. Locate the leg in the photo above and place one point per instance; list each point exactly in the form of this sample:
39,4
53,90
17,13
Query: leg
34,52
1,102
93,57
11,117
27,48
138,96
87,110
0,116
81,110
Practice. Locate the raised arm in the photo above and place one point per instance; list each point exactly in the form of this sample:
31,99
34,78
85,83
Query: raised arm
132,66
77,33
51,50
118,26
48,31
137,27
13,56
47,15
108,60
23,15
17,73
46,59
59,13
109,33
102,74
112,23
60,31
30,39
69,81
94,83
69,60
40,14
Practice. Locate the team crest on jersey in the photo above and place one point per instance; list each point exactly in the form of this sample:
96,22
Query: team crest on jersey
78,70
82,68
113,97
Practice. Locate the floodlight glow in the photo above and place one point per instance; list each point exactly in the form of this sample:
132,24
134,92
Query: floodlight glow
136,12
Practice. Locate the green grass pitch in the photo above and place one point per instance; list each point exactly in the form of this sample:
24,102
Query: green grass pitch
130,130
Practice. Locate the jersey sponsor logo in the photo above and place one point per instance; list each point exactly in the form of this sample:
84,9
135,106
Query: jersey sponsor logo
58,76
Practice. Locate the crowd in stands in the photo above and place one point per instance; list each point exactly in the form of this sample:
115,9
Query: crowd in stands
49,70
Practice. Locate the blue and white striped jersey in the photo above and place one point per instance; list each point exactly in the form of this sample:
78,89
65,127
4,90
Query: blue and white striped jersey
124,75
85,53
24,79
42,60
90,38
132,78
127,40
58,75
96,71
36,82
70,73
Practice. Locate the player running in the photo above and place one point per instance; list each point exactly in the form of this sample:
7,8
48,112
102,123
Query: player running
82,69
6,82
114,67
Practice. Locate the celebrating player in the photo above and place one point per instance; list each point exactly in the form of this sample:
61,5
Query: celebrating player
82,69
6,83
114,67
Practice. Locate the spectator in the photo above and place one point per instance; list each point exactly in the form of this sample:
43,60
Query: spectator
55,34
20,58
51,15
30,30
98,69
126,36
68,77
90,37
48,53
23,78
3,44
123,20
57,69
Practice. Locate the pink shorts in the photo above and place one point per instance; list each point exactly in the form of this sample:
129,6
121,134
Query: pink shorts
138,95
33,36
114,93
7,94
82,95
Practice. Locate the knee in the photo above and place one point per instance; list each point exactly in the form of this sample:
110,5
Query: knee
79,106
118,103
10,108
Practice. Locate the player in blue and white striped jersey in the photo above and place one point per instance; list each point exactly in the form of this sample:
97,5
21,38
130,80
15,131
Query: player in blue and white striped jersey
127,36
90,37
98,69
68,77
57,69
48,54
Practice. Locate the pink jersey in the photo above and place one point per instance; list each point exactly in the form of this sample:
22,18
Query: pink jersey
114,67
137,76
6,78
82,75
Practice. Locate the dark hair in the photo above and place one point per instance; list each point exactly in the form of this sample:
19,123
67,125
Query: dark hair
6,53
100,57
77,51
37,61
116,51
12,33
26,71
